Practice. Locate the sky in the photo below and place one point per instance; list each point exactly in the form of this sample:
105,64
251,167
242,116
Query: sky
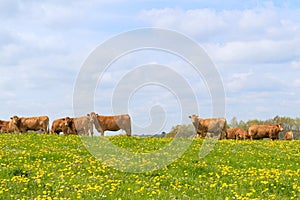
253,44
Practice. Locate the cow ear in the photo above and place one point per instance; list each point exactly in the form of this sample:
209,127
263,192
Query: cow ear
11,118
190,116
88,115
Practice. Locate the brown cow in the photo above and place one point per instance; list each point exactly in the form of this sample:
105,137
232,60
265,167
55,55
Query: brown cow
237,133
59,125
216,126
5,126
24,124
231,133
80,125
289,135
112,123
265,131
70,124
242,134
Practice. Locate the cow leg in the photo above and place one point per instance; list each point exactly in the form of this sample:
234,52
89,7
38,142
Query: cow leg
128,132
220,137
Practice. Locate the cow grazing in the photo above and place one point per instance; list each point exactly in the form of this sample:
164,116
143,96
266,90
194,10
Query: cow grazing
265,131
237,133
81,125
112,123
231,133
242,134
216,126
5,126
24,124
289,135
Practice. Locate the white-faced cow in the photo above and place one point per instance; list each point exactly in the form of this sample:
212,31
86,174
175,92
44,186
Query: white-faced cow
265,131
216,126
24,124
112,123
80,125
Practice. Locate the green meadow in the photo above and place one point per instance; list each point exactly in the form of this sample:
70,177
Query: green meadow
38,166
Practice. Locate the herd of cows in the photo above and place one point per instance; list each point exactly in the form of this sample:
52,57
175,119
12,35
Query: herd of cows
204,127
211,127
68,126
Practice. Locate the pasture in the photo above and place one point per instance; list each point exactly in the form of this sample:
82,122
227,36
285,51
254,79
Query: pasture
38,166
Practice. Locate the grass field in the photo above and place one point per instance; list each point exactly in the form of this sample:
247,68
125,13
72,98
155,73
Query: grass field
36,166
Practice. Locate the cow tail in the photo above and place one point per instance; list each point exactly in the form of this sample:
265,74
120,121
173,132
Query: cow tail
48,126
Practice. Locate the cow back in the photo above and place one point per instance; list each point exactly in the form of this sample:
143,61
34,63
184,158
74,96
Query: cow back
212,124
5,126
113,123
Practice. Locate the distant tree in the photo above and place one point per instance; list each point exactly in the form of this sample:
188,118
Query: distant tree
242,125
277,120
184,131
233,123
253,122
297,124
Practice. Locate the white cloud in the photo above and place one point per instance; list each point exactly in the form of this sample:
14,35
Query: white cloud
297,83
295,64
260,51
193,22
238,81
264,34
234,24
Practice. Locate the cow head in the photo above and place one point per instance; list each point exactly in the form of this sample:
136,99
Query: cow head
68,122
195,121
280,126
90,118
93,116
15,120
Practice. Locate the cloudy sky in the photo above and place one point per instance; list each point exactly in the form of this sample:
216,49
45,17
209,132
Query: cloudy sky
255,45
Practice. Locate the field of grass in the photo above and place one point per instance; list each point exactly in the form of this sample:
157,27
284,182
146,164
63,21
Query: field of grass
36,166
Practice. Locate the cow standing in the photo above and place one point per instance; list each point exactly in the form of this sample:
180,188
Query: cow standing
265,131
112,123
60,125
24,124
81,125
216,126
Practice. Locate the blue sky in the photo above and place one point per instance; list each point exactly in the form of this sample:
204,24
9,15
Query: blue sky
254,45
